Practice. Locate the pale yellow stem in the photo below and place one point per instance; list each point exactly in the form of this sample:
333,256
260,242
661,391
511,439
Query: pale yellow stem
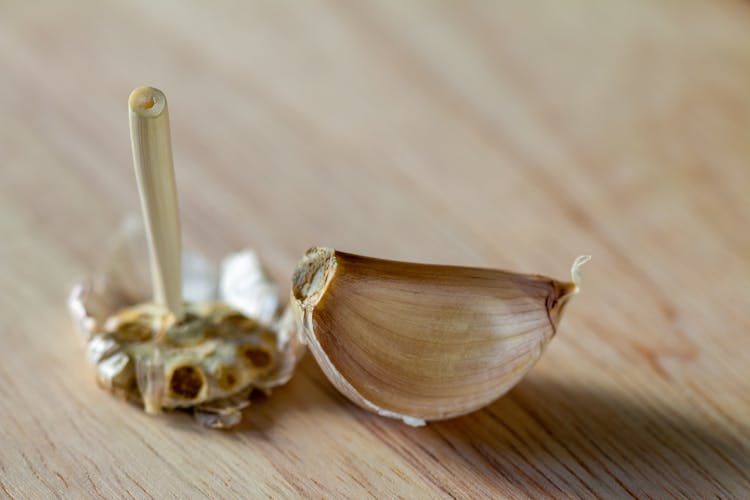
154,172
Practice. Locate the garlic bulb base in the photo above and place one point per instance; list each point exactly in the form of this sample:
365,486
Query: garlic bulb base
230,340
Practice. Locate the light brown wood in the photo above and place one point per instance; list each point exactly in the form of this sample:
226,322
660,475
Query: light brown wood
497,134
151,144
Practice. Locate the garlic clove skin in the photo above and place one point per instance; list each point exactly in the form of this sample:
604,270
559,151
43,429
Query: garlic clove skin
423,342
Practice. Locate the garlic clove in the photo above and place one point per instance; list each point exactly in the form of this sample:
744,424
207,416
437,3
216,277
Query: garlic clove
423,342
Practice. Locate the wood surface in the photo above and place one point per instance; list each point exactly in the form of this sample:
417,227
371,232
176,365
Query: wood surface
501,134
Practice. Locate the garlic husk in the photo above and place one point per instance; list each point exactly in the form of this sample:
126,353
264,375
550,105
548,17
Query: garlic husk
140,369
423,342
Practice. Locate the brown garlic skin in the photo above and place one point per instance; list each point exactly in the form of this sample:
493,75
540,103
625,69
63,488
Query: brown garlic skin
423,342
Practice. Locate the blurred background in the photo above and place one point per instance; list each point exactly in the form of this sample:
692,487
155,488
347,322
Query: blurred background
504,134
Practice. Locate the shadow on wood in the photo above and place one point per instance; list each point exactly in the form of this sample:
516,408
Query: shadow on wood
549,437
307,391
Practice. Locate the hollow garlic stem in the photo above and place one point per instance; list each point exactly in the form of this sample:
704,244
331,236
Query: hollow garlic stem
154,172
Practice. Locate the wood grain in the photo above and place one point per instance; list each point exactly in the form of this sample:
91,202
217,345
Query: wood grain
498,134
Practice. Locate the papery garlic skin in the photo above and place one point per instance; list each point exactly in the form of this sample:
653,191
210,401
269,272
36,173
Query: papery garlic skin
210,362
423,342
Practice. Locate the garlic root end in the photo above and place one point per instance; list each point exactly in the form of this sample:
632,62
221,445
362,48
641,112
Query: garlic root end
312,276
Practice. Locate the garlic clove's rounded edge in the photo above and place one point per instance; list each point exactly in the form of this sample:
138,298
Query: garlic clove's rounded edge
346,388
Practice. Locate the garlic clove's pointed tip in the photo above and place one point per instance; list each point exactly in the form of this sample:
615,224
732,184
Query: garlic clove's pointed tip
575,270
565,291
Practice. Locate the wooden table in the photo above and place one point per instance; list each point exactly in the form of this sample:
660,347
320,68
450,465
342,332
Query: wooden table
503,134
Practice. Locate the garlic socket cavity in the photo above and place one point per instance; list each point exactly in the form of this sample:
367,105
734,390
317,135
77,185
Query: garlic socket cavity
312,275
187,382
